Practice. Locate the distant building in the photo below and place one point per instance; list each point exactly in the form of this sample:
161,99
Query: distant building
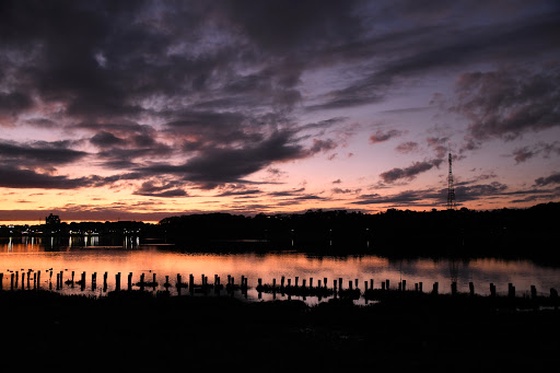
52,219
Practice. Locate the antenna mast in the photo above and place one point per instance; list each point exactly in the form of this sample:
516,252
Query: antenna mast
450,187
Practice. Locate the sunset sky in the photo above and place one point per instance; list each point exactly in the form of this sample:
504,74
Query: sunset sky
141,110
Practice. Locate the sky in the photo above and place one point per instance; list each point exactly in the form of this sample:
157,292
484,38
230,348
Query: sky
141,110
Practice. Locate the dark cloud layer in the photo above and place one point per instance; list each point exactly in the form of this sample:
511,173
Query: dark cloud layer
201,94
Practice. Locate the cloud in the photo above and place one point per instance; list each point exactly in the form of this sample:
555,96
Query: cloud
39,154
11,177
552,179
525,153
407,147
160,189
507,103
382,136
410,172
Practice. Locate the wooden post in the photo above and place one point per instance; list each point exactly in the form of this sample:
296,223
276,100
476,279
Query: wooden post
83,281
297,280
191,283
105,281
420,285
38,280
166,284
471,288
404,285
492,289
93,281
435,288
118,281
387,284
129,280
178,284
141,282
533,292
511,290
453,288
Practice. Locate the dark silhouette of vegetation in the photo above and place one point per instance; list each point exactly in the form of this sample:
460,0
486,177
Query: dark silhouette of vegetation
509,233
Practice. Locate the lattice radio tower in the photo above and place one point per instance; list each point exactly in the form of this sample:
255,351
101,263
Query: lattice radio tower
450,187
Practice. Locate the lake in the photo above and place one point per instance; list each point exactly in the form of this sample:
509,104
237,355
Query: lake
37,261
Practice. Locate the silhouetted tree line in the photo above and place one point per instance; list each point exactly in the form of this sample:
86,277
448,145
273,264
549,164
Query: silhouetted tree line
502,232
529,233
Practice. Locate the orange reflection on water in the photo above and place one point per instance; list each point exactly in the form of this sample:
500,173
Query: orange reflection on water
40,254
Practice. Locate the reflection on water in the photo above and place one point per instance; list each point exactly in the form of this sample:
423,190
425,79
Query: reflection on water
37,261
64,243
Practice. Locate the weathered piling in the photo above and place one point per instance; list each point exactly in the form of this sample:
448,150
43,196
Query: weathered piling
166,284
435,288
511,290
191,284
83,281
118,281
492,289
471,288
93,281
129,281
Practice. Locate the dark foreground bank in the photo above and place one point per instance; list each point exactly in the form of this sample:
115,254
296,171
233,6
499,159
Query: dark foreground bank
136,332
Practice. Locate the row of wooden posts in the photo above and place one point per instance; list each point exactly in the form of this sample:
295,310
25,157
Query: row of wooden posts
32,280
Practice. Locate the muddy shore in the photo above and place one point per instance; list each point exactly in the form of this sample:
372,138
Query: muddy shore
135,331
